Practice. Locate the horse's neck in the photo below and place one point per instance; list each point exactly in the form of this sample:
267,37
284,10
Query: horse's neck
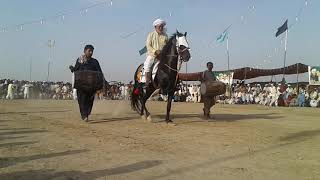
170,59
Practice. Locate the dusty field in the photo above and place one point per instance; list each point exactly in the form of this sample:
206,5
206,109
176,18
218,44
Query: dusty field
47,140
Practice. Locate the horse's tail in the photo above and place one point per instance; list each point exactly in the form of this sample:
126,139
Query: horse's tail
137,92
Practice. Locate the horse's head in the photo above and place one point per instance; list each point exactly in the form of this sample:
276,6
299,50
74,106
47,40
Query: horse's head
183,46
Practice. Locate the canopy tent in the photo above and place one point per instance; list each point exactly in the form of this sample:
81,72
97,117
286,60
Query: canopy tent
249,73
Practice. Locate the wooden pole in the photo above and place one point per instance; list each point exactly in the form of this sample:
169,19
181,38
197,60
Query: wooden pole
285,54
298,78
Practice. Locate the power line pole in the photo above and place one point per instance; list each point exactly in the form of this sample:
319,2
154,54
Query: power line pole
30,69
48,71
51,44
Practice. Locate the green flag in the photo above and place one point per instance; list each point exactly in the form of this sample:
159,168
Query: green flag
282,28
222,37
143,50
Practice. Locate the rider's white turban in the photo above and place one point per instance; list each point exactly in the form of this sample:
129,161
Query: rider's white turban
158,22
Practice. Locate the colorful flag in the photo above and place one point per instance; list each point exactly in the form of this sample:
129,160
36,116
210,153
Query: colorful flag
282,29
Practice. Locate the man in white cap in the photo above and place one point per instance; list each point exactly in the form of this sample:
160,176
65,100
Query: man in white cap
155,42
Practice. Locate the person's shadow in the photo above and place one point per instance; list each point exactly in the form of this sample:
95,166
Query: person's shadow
89,175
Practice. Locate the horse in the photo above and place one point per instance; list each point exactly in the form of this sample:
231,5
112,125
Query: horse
173,53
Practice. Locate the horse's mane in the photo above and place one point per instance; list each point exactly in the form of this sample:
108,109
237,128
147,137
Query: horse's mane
167,48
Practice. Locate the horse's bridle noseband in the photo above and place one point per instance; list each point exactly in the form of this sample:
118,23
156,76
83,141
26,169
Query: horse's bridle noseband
181,51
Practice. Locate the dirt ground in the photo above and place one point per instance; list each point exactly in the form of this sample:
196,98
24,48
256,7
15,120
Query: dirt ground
47,140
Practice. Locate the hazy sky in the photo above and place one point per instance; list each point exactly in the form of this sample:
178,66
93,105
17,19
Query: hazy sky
252,41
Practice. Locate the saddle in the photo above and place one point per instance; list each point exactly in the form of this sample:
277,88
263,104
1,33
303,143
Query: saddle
141,75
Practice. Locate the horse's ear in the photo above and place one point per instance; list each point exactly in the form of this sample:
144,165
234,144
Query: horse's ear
177,32
185,34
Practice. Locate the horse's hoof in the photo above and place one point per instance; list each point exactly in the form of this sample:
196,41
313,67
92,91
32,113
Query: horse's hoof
149,119
170,123
143,117
213,118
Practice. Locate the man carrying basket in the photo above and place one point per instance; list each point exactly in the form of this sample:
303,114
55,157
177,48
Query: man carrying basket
88,79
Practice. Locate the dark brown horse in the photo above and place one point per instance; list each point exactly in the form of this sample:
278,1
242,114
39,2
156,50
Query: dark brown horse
173,53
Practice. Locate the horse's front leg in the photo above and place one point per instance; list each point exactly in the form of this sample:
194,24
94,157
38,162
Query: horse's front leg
168,120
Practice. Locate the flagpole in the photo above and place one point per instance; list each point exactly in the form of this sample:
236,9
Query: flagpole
228,54
285,53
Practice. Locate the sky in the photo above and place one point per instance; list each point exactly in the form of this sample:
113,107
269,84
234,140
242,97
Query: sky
251,36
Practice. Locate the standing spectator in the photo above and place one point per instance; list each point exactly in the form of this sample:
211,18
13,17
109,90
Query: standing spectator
301,99
26,90
10,91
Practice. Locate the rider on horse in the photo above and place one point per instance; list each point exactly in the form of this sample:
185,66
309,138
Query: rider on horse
155,42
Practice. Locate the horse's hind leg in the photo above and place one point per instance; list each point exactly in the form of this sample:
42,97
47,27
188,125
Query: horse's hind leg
143,104
148,115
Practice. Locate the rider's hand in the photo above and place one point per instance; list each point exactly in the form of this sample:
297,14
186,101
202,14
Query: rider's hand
157,53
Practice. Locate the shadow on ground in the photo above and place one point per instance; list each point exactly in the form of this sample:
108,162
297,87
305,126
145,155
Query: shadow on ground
9,145
106,120
211,163
1,121
31,112
22,132
90,175
13,129
224,117
303,135
7,138
10,161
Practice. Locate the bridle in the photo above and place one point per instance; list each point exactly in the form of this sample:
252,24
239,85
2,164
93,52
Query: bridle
180,59
180,51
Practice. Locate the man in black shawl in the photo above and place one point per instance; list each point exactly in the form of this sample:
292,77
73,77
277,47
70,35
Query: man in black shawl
86,95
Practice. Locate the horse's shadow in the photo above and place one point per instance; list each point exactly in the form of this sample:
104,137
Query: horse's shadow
222,117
